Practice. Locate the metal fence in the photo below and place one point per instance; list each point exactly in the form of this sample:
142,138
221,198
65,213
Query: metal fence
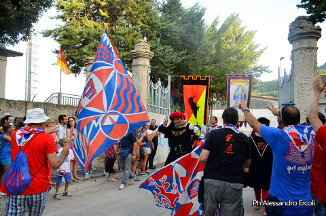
159,97
63,99
285,87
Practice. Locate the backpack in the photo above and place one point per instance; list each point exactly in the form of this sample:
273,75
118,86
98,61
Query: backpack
18,178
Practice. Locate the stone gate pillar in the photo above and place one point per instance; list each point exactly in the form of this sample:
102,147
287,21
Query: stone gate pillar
88,64
141,57
303,36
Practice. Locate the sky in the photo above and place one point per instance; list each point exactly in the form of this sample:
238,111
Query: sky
270,20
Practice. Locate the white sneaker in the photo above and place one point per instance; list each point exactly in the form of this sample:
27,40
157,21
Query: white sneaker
122,186
106,174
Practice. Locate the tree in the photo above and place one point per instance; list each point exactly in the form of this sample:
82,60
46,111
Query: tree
315,8
233,51
17,18
126,21
181,41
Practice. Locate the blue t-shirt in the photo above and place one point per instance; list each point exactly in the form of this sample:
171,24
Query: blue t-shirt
146,141
128,141
291,167
5,147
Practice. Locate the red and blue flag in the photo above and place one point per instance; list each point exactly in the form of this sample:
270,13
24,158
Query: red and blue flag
175,186
110,106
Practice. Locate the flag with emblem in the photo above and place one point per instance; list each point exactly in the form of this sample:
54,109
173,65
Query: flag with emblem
110,106
175,186
195,94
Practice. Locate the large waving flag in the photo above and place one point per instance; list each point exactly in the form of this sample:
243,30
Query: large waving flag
175,186
110,106
195,94
62,62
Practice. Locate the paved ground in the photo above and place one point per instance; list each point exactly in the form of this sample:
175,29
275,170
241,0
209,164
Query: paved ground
98,197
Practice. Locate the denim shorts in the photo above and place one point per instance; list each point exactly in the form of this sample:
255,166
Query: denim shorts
67,178
5,162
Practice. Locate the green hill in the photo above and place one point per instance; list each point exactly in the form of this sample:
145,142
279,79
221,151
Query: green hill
322,69
266,89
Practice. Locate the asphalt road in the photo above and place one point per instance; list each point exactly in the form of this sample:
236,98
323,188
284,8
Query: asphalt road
99,197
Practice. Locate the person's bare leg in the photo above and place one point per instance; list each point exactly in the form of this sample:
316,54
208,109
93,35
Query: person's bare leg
5,169
57,188
75,170
134,166
71,169
66,187
144,163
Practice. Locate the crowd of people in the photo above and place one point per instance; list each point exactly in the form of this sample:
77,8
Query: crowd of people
286,166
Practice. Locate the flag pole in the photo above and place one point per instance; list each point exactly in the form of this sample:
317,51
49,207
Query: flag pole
59,96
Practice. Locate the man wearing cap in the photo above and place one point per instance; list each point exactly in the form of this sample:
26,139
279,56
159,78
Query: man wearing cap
40,149
179,135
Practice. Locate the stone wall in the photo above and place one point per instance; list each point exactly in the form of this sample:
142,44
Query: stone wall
18,108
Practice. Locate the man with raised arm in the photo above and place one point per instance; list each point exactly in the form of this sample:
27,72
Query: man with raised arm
179,134
318,171
293,148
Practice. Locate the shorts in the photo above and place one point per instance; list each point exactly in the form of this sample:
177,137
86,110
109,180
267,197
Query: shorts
67,178
20,204
145,151
5,162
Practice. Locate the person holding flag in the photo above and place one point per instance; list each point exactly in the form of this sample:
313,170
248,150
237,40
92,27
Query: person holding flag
179,135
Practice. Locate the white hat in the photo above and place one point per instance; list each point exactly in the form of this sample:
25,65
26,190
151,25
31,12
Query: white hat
35,115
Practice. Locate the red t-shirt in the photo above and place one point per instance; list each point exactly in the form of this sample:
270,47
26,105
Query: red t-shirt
36,152
318,170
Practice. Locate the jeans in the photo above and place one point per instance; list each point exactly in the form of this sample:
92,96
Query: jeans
228,195
153,153
125,166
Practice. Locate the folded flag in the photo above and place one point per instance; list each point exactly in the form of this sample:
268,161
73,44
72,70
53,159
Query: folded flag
175,186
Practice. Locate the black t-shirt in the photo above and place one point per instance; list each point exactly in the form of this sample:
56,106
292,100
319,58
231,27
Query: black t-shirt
225,161
155,139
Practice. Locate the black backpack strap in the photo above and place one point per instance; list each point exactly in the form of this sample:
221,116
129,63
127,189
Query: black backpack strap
39,169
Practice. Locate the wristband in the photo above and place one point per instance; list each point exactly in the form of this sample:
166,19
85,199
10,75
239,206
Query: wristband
133,154
246,110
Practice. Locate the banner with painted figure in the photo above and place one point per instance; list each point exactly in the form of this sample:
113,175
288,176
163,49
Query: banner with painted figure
195,94
238,90
110,106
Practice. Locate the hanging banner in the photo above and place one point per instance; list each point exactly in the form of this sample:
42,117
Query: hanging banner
238,90
195,94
